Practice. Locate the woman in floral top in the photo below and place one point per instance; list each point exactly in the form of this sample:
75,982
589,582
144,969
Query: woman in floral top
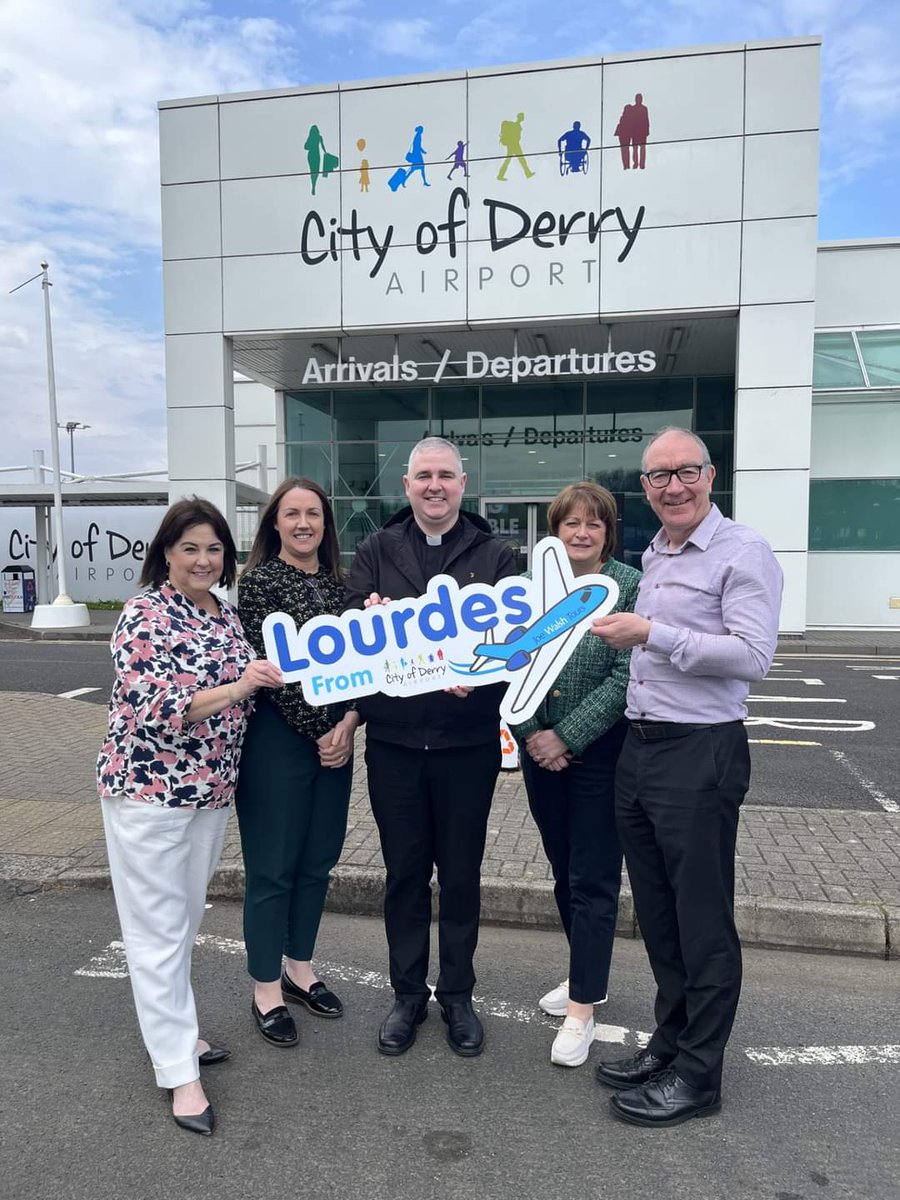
571,746
294,787
166,777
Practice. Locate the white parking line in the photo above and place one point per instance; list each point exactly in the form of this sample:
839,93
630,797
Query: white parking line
797,699
812,724
110,964
75,693
778,679
886,676
823,1056
877,795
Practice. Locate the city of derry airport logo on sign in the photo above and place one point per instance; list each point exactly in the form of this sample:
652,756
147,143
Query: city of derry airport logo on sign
508,225
519,631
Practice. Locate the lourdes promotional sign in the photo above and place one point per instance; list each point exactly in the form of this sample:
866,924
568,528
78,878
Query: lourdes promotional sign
520,631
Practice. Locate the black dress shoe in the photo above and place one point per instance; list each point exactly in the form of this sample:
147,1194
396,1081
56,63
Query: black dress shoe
465,1034
215,1054
664,1100
319,999
399,1028
277,1025
631,1072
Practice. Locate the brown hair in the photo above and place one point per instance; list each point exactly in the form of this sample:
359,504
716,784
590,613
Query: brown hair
267,543
596,501
181,516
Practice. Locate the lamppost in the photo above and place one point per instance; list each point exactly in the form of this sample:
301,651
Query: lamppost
70,427
63,612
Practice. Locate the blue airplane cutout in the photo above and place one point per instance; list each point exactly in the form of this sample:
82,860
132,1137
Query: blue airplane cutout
540,650
522,642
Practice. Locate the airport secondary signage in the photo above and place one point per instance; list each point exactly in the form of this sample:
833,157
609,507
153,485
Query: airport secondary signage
478,365
519,631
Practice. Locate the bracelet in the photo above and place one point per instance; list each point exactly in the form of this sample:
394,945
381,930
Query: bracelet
231,699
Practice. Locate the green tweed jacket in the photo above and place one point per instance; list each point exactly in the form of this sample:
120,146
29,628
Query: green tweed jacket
588,698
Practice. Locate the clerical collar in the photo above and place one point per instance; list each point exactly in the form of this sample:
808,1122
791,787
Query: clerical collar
439,539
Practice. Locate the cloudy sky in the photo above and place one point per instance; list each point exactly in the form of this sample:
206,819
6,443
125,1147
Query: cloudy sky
78,147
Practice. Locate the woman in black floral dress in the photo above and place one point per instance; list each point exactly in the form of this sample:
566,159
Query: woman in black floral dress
294,784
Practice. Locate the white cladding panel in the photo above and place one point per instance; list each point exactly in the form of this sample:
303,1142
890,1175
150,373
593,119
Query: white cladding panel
857,285
852,589
270,137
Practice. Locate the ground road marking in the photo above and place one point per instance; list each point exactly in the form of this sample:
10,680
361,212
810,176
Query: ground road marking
110,964
877,795
75,693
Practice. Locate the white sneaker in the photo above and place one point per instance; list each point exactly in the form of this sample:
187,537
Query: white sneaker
572,1044
556,1002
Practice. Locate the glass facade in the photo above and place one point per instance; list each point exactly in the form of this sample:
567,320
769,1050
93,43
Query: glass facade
525,440
854,514
854,495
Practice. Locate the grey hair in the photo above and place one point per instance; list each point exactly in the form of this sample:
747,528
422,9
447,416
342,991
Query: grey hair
699,442
435,443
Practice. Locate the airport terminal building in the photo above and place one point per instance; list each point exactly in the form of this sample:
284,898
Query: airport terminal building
545,264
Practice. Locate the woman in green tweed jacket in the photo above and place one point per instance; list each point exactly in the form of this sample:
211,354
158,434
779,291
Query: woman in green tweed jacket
569,752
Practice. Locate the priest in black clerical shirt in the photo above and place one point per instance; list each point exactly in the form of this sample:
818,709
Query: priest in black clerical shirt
432,760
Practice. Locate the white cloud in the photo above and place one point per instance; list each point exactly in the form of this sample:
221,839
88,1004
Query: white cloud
79,86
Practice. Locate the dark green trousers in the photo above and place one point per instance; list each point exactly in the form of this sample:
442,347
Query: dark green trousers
292,814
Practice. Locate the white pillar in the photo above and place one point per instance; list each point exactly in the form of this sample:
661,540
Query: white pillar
200,419
773,409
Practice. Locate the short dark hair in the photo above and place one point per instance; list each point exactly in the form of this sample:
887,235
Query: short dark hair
181,516
267,543
596,501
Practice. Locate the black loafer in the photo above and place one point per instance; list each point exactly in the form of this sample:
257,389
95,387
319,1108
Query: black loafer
215,1054
319,999
465,1033
277,1025
399,1028
631,1072
664,1100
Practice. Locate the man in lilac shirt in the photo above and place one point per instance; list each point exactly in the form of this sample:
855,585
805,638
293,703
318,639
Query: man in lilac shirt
705,625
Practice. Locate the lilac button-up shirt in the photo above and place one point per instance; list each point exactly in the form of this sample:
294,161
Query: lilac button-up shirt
713,605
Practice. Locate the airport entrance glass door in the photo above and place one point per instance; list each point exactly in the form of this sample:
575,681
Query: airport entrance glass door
519,522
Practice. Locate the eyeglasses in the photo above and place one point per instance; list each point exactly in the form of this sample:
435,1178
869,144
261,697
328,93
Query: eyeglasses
661,479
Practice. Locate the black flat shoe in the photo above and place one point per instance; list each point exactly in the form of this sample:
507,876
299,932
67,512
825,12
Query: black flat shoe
319,999
399,1028
203,1123
630,1072
664,1100
215,1054
276,1026
465,1033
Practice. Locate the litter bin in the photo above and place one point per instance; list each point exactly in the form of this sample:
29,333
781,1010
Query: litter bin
18,589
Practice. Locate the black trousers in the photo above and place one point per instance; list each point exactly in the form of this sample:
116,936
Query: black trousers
574,810
677,804
292,814
431,808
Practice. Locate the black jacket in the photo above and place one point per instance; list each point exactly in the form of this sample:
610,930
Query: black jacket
386,563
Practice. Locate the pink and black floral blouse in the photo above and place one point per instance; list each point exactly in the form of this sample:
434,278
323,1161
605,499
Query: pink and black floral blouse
164,650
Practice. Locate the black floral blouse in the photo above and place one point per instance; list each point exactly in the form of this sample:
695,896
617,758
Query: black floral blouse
276,586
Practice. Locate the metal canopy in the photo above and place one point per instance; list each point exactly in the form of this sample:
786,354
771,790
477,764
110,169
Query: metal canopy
685,344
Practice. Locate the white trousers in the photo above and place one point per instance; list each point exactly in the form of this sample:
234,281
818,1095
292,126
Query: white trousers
160,861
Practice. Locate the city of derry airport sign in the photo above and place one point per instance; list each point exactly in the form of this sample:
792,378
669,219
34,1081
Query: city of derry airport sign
478,365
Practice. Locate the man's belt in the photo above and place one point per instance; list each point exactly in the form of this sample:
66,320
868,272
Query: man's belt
658,731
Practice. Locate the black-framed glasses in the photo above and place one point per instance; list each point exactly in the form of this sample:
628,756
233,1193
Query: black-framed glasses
688,474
